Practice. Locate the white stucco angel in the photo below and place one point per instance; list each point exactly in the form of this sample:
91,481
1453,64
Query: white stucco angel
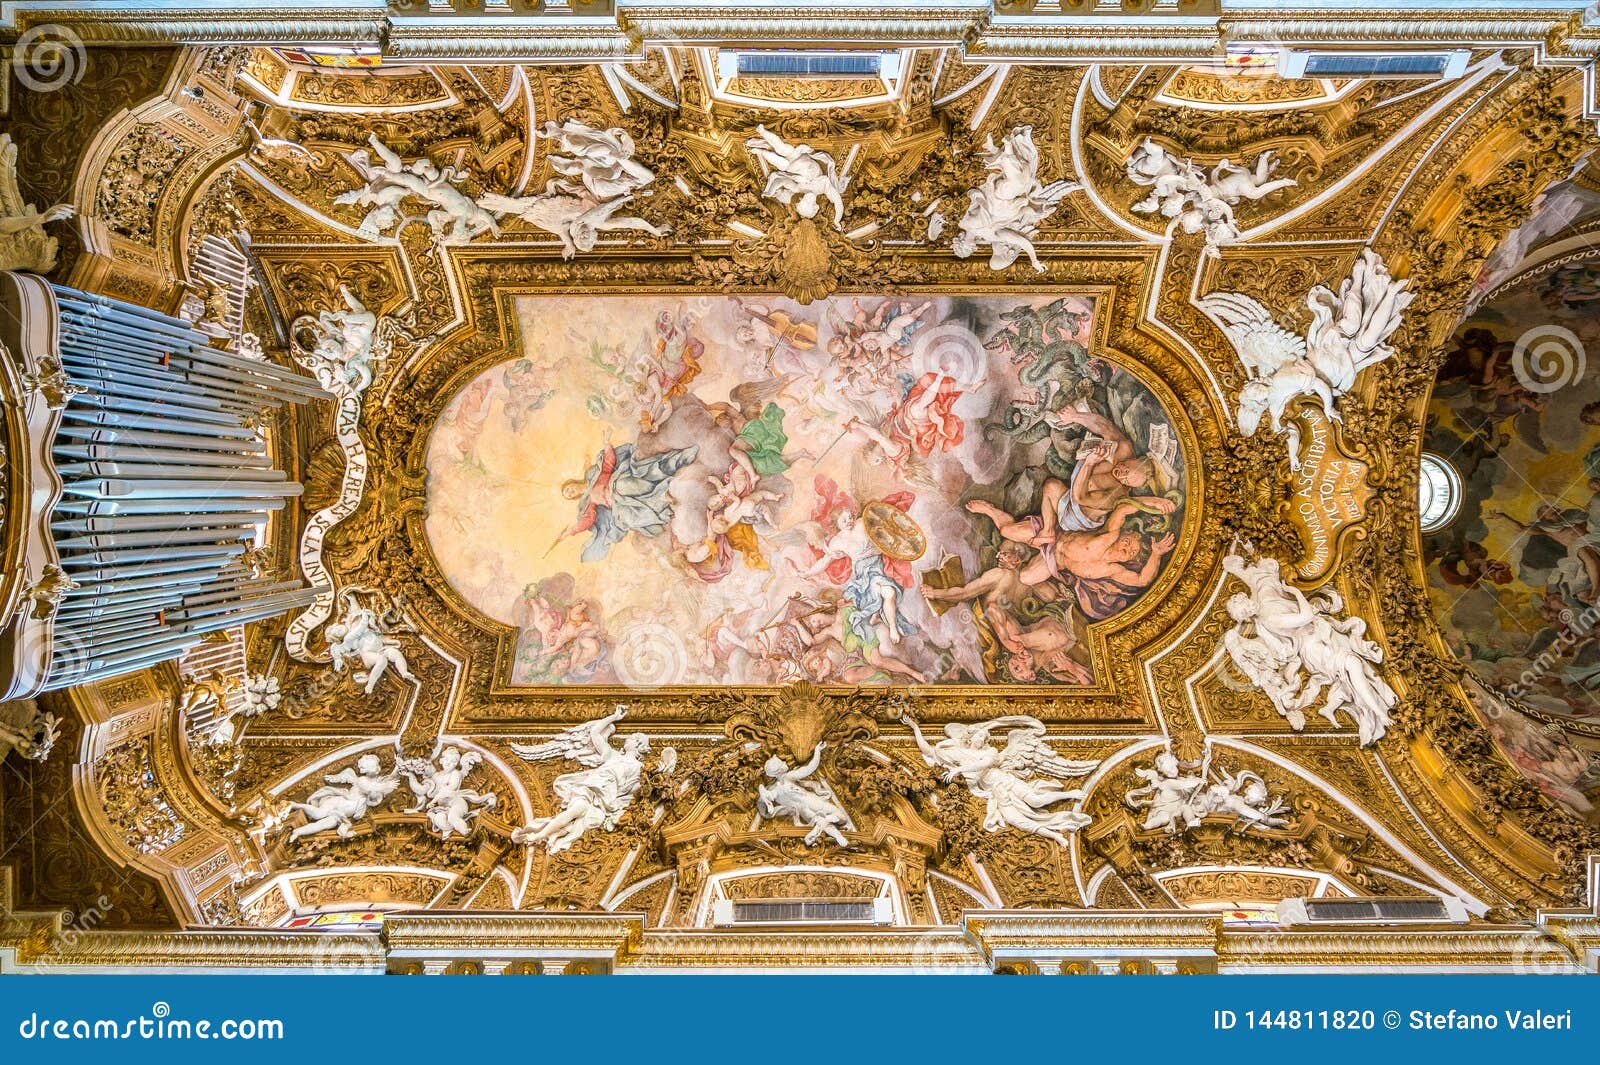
347,797
799,174
598,176
1296,649
1170,796
1021,782
26,729
1245,797
452,215
599,162
1005,211
361,635
1177,800
597,795
1349,331
1195,201
805,800
441,790
344,350
24,245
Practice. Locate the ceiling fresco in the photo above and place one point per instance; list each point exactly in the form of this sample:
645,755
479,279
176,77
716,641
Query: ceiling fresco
994,489
940,490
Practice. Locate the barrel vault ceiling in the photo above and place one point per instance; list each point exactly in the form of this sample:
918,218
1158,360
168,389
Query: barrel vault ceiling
960,352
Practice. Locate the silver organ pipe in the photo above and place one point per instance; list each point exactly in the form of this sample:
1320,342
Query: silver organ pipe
135,492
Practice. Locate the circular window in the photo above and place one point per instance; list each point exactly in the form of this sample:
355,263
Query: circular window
1438,492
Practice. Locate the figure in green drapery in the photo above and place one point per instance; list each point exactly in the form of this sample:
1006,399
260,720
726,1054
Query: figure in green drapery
765,440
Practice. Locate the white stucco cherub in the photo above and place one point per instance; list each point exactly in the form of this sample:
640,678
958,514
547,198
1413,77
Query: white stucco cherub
347,797
799,174
807,802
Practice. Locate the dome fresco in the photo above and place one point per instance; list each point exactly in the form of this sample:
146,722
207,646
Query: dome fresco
1515,577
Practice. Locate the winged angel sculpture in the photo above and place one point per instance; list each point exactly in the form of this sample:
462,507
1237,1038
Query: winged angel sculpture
348,345
453,216
1349,331
347,797
23,242
1005,211
807,803
1021,782
1177,801
598,175
799,174
1198,202
597,795
1296,648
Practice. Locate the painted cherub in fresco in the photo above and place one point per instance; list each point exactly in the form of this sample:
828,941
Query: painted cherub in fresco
1577,575
868,346
674,364
776,340
526,392
922,423
737,499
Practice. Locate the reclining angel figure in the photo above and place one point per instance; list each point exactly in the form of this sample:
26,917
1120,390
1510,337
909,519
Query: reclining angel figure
597,795
1294,648
453,216
597,177
1021,782
24,245
806,802
1005,211
799,174
347,797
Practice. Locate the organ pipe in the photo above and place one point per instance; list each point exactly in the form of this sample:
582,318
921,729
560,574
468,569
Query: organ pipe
134,486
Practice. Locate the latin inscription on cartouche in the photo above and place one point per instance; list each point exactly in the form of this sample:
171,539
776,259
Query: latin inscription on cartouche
1330,494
